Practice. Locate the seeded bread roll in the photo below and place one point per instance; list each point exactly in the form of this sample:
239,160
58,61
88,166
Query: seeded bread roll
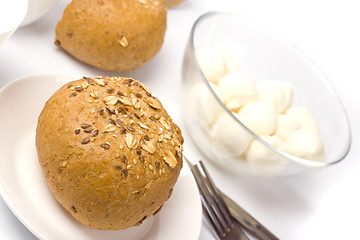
109,151
115,35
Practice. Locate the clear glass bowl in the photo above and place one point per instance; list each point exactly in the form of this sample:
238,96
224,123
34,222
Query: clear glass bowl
264,55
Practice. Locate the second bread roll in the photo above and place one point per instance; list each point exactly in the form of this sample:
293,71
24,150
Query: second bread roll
115,35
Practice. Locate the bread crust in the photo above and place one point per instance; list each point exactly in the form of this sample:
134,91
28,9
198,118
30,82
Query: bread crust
109,151
115,35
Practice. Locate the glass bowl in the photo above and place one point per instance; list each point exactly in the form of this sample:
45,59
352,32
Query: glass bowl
265,57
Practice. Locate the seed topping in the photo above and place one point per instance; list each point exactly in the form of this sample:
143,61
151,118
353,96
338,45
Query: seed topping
78,88
125,172
85,125
123,42
73,94
99,82
105,146
111,100
88,130
147,146
125,100
94,94
85,140
95,133
110,128
154,103
169,158
129,140
164,122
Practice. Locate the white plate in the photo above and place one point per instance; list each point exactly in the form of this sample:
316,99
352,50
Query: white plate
25,191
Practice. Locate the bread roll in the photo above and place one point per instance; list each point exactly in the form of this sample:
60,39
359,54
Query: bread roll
109,151
115,35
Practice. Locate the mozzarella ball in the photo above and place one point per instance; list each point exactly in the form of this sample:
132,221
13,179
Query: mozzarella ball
229,138
304,118
237,90
258,155
287,89
230,60
260,117
286,126
270,91
211,62
305,144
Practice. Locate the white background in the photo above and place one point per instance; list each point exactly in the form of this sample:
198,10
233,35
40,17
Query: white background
320,205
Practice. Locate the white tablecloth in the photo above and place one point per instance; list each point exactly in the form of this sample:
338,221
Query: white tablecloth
320,205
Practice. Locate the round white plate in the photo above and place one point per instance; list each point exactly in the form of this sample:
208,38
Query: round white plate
24,189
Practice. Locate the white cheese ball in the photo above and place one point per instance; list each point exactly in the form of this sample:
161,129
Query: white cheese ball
229,138
260,117
286,126
287,89
230,60
305,144
237,90
269,90
304,118
258,155
211,62
204,107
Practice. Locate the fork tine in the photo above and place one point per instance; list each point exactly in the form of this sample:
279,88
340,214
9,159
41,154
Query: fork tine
214,227
209,202
215,210
223,207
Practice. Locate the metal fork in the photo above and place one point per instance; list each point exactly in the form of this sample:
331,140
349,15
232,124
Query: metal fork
215,210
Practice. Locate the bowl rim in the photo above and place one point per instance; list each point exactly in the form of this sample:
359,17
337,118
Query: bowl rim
297,160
